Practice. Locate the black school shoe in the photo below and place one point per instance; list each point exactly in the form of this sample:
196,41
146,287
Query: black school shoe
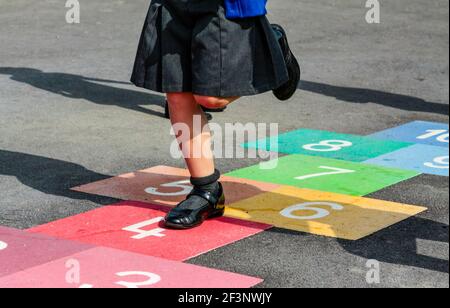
206,110
287,90
182,219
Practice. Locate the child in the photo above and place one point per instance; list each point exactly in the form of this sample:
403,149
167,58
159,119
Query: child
200,59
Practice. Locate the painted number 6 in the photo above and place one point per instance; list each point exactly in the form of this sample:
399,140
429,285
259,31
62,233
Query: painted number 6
328,146
310,206
183,185
3,245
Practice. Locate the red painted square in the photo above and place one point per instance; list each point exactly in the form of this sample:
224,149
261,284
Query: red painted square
168,186
137,227
20,250
110,268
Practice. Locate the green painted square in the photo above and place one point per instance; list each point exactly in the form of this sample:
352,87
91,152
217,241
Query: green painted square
328,144
326,174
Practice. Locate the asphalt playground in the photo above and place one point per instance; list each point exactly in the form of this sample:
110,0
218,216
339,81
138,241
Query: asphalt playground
69,117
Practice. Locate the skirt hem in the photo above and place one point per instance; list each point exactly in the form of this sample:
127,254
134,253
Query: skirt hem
211,91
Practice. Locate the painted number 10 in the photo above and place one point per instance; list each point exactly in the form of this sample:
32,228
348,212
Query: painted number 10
440,134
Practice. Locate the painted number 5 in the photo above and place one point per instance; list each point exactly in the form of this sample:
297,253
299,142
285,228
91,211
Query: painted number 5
310,206
328,146
184,187
3,245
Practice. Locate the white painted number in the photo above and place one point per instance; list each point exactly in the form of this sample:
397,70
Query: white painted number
183,185
310,206
440,134
439,163
141,234
152,279
332,172
328,146
3,245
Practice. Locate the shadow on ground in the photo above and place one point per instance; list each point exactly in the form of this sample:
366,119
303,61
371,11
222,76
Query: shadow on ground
397,244
90,89
50,176
364,96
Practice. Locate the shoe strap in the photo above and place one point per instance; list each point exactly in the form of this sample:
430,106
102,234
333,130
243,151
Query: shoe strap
208,196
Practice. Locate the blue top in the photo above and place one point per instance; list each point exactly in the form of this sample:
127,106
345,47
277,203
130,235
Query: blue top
245,8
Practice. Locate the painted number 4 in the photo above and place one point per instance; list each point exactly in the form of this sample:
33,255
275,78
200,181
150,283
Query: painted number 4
141,234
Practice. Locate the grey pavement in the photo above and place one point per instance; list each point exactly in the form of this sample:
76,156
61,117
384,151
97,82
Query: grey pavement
69,116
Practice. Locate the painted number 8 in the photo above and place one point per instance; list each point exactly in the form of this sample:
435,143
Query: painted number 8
3,245
328,146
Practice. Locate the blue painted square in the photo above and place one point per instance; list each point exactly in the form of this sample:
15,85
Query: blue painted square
422,158
420,132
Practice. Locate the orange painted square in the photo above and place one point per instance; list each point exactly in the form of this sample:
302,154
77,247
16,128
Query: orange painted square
133,186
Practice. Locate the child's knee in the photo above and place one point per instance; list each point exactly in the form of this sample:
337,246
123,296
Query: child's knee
212,102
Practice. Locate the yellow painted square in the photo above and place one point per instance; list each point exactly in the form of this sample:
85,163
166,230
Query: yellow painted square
322,213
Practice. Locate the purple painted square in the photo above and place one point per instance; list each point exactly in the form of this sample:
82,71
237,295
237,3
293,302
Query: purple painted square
20,250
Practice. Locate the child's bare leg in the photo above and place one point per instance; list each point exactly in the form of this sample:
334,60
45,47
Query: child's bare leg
197,150
212,102
207,199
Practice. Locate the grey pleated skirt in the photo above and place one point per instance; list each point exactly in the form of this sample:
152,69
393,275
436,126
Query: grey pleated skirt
190,46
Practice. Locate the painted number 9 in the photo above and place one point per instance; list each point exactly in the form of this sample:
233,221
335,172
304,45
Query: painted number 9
328,146
310,206
3,245
439,163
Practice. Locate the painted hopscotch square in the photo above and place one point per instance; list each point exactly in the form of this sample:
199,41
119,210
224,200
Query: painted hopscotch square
167,186
421,158
20,250
322,213
421,132
137,227
328,144
325,174
110,268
